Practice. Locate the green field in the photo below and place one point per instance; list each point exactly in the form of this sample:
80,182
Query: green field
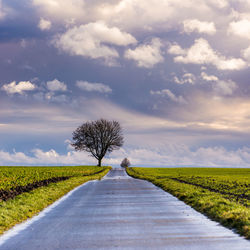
30,189
222,194
11,177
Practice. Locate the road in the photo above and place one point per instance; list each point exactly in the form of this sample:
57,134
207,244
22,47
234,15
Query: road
120,212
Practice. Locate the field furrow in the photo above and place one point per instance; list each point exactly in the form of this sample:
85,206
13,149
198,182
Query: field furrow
220,193
25,191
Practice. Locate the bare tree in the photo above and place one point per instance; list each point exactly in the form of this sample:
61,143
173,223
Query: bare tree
125,163
98,138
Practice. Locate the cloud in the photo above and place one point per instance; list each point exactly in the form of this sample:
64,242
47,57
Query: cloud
221,116
224,87
246,53
55,98
162,156
19,88
44,24
2,10
97,87
43,158
176,49
240,28
146,55
202,114
23,43
218,3
154,14
220,87
56,85
45,119
150,15
181,155
194,25
203,119
51,157
186,78
170,95
91,40
62,10
202,53
209,78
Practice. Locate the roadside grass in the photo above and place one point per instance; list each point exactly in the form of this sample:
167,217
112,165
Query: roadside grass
222,208
28,204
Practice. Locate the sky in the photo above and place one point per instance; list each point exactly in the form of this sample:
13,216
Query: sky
174,73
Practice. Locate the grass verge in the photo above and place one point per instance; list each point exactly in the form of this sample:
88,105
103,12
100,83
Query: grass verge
27,205
229,213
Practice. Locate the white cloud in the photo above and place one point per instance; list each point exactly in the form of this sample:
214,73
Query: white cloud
186,78
146,55
19,88
220,87
129,14
240,28
170,95
194,25
181,155
162,156
42,158
56,85
89,86
224,87
154,14
219,3
61,9
246,53
91,40
209,78
44,24
176,49
202,53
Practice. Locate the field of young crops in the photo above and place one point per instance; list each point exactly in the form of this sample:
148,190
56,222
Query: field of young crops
221,193
233,184
25,191
12,177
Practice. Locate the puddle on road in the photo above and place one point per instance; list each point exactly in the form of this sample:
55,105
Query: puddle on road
116,177
117,174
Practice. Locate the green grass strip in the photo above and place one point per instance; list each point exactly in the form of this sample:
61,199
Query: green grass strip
27,205
230,214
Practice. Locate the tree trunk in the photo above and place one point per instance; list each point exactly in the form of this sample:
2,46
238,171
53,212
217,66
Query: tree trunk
99,162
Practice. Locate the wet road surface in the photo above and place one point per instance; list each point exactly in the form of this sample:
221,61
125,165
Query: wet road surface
120,212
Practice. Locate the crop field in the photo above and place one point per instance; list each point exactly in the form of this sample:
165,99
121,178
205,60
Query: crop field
24,191
222,194
15,180
12,177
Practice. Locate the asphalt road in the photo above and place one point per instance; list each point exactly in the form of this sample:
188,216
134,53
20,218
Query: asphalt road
120,212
